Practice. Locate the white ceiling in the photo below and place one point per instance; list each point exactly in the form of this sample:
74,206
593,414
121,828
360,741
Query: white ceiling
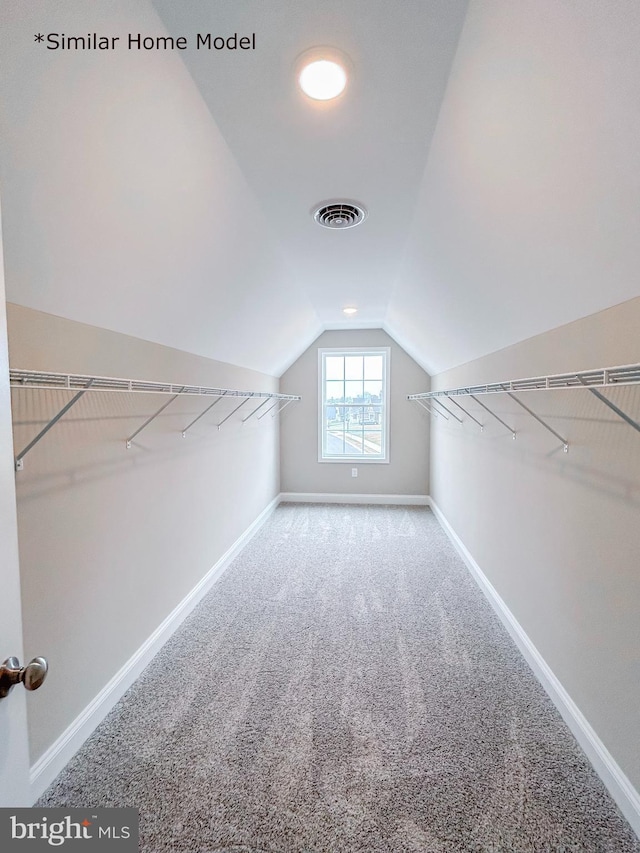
370,145
168,195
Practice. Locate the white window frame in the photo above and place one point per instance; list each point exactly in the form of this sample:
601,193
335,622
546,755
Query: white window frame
386,373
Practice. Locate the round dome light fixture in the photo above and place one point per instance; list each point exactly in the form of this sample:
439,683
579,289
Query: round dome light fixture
350,310
322,79
322,73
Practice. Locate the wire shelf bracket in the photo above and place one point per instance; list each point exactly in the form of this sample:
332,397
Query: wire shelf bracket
284,406
201,415
224,420
625,417
468,414
565,443
453,415
267,411
480,403
19,464
152,418
431,410
257,409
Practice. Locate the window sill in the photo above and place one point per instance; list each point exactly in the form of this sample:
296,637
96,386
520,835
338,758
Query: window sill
354,460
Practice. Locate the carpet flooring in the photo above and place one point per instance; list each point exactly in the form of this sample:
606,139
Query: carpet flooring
344,688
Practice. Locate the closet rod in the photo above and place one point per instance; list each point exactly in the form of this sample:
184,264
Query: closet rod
71,382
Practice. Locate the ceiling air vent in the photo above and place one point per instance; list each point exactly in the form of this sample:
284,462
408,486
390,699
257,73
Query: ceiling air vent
339,214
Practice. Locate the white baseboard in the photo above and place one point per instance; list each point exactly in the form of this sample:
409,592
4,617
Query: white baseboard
321,498
47,767
618,785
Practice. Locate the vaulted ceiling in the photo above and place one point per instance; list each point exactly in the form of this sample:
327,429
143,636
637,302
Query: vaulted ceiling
168,194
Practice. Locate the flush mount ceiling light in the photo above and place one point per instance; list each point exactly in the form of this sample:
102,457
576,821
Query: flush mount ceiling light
323,80
349,310
322,73
339,214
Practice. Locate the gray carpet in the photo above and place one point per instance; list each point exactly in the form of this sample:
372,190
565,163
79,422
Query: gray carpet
344,687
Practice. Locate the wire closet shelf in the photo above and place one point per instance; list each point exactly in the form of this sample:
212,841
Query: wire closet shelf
77,382
81,384
604,377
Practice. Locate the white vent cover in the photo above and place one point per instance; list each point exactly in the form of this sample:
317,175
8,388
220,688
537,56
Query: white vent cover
339,214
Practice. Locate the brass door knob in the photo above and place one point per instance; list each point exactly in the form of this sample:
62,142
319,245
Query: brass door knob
32,675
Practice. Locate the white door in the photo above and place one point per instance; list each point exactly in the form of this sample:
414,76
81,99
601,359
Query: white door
14,752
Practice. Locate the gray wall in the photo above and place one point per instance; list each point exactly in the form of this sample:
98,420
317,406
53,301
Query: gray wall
557,534
111,540
407,472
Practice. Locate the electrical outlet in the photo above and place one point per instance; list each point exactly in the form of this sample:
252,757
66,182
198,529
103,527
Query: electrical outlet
354,472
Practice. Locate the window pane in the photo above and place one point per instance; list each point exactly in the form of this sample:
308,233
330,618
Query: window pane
334,416
354,391
357,415
334,367
374,390
353,367
372,439
354,440
334,443
334,391
355,432
373,367
334,419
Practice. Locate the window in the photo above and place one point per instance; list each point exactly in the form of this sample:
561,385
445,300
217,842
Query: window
354,405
